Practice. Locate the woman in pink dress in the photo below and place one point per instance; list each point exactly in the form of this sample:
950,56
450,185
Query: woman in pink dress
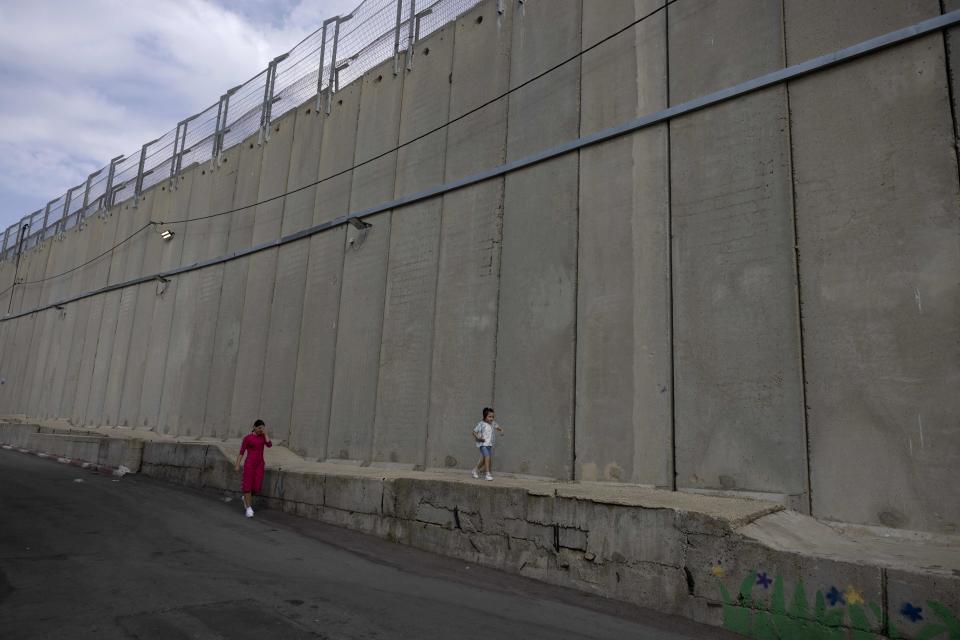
253,444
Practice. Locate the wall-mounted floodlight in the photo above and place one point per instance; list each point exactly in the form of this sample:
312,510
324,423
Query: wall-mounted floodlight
166,234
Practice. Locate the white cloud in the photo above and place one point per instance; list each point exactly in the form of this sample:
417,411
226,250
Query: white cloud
81,82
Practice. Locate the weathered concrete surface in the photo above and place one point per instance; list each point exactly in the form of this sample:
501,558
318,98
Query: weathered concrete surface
136,250
319,325
746,565
107,326
286,314
403,388
197,299
353,402
536,330
164,299
468,270
68,350
736,329
223,369
161,205
623,294
260,275
104,233
877,221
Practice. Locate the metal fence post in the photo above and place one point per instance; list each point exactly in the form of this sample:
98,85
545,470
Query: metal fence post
333,85
86,192
138,186
323,57
266,98
269,98
173,158
222,128
66,210
396,38
177,161
410,27
108,194
46,219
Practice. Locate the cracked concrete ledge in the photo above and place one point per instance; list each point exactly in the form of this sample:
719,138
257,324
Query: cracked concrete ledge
747,565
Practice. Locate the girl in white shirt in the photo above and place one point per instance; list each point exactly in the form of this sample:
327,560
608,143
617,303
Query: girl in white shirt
484,435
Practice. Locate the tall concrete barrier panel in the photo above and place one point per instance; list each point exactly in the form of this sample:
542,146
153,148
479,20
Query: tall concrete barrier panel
136,250
78,318
624,411
313,387
196,299
468,270
105,231
261,276
159,339
226,342
736,329
68,344
167,205
8,270
364,269
536,331
50,323
55,372
878,221
286,312
403,389
35,295
108,323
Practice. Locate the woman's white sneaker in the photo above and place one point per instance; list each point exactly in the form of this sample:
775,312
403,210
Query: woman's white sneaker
488,477
249,512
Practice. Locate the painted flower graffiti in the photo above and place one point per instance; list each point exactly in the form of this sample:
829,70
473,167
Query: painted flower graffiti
833,614
911,612
835,597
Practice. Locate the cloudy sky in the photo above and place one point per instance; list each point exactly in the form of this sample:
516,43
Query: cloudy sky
84,81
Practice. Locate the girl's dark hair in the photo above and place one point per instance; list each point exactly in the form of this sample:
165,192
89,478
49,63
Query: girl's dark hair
258,423
487,410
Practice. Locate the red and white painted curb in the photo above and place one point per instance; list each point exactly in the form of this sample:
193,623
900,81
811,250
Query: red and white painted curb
90,466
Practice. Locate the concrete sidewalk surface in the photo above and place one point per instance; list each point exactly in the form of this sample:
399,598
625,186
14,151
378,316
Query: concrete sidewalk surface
750,566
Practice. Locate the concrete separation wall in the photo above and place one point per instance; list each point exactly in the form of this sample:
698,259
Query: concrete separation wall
749,566
756,298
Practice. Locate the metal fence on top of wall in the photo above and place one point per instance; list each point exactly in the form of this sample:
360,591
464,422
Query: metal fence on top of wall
334,55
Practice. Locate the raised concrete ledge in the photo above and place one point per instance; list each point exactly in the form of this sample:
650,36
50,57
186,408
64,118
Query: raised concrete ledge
747,565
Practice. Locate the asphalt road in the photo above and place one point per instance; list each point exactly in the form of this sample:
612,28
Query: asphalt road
84,555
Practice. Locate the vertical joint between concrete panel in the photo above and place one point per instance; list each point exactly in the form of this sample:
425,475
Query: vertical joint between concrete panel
576,267
951,95
671,320
796,267
885,606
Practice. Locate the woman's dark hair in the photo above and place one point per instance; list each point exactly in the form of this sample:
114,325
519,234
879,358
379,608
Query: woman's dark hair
487,410
260,423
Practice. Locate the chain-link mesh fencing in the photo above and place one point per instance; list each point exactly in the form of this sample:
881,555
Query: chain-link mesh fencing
331,57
